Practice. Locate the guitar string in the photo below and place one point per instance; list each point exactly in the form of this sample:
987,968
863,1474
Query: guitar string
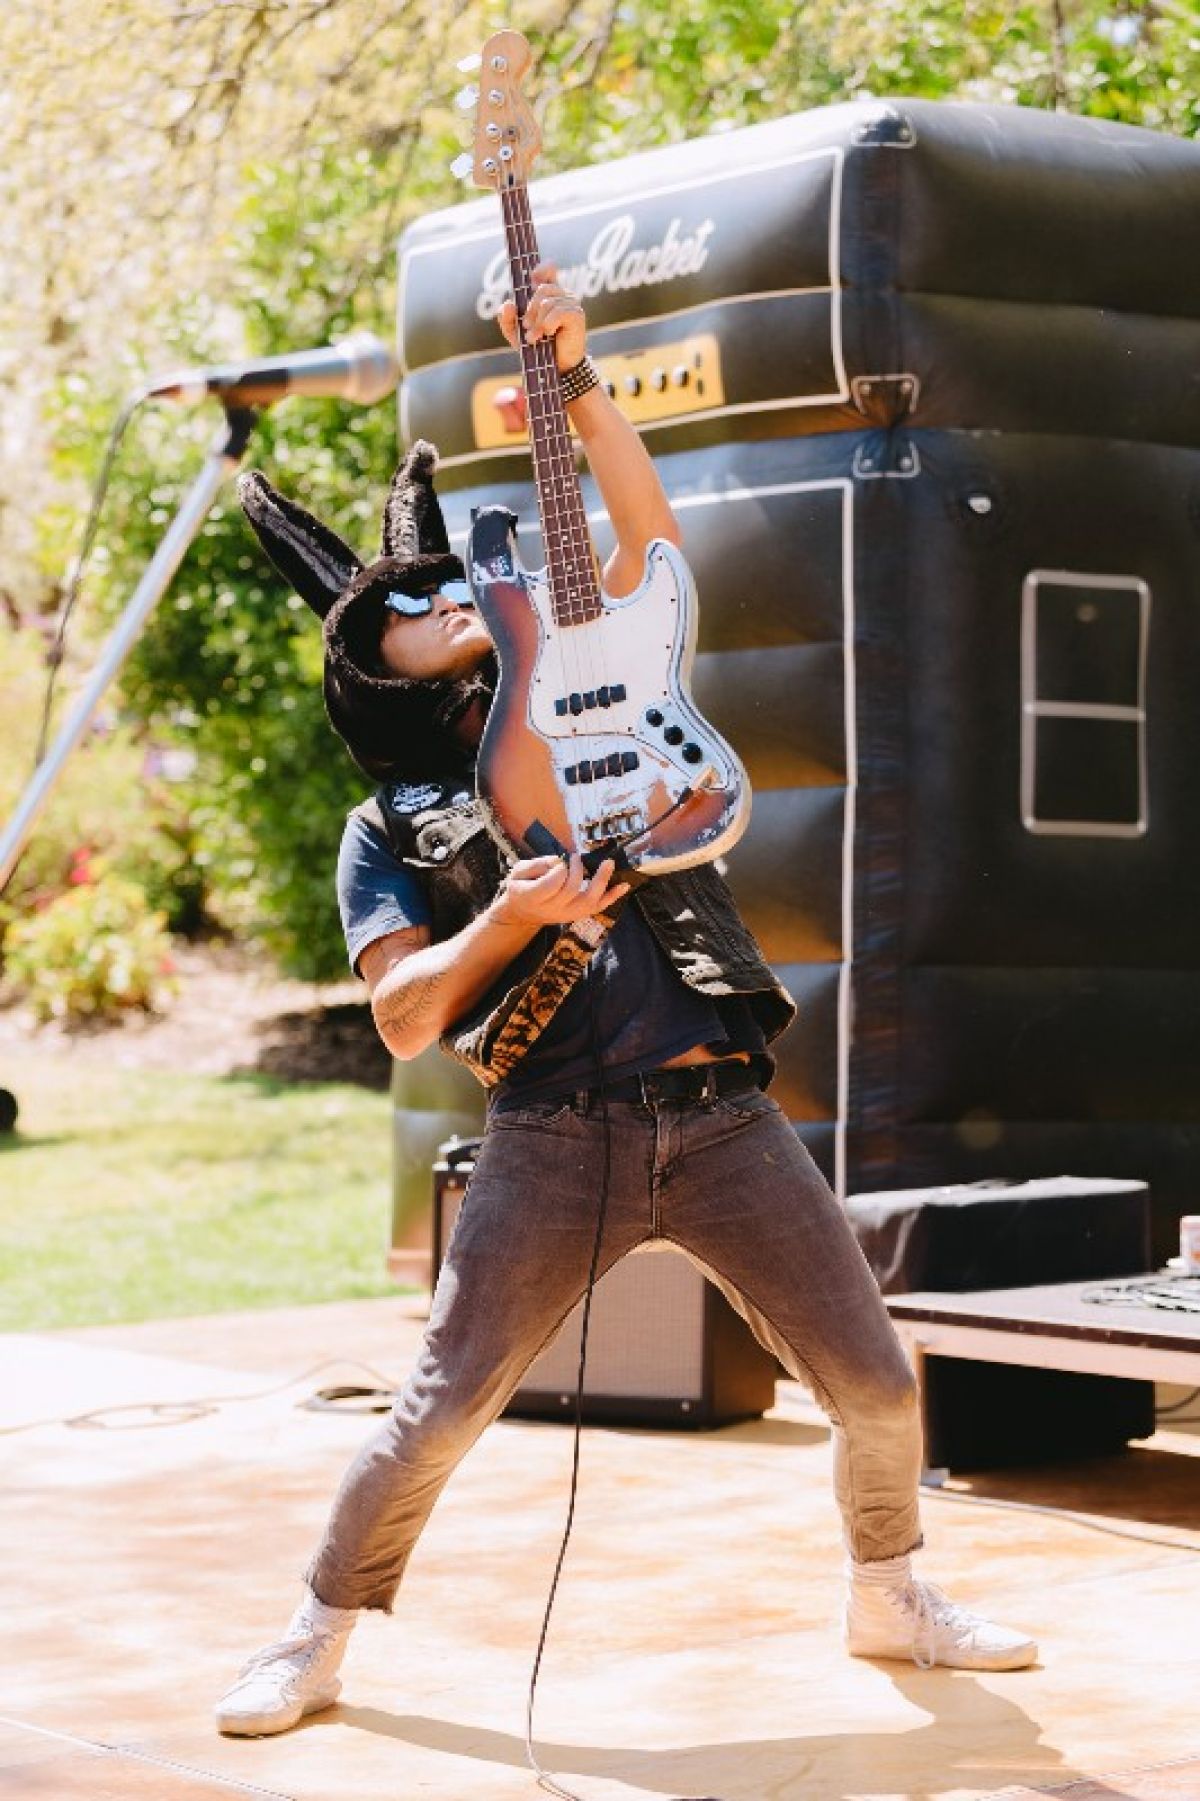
520,267
522,257
570,530
585,600
569,551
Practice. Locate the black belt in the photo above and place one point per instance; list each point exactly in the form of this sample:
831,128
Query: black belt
689,1082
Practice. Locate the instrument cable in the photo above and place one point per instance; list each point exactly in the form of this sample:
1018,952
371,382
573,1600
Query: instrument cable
545,1780
939,1493
195,1407
74,584
92,525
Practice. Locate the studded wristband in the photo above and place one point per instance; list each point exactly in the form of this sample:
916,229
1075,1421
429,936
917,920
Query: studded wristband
578,381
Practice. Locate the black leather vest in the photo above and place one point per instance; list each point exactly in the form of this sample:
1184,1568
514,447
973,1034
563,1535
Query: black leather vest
439,831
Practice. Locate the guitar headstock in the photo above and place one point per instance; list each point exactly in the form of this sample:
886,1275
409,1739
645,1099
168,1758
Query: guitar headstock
507,136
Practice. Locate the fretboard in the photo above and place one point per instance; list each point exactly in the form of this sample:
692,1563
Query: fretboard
570,561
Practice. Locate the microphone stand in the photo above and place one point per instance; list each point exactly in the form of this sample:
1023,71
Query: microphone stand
228,449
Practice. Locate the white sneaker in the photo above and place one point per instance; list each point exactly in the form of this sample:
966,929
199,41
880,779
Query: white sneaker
294,1677
908,1618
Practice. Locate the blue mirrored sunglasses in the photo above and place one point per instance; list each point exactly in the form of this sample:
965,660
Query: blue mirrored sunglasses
412,606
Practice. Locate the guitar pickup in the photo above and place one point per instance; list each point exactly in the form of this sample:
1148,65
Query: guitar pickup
608,696
594,769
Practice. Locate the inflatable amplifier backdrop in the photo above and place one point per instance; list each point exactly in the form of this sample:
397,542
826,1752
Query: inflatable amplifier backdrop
923,382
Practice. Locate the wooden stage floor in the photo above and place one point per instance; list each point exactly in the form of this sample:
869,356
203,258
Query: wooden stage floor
694,1650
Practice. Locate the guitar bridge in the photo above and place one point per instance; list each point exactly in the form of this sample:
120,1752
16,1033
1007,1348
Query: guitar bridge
628,822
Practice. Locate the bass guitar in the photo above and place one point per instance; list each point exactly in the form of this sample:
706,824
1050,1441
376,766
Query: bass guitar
593,742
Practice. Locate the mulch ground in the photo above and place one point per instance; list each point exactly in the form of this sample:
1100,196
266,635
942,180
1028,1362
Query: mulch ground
227,1015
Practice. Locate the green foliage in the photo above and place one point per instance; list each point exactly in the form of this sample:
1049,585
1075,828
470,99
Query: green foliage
94,952
229,668
317,170
107,801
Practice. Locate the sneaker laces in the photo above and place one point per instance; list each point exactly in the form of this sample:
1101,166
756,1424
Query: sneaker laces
930,1607
300,1649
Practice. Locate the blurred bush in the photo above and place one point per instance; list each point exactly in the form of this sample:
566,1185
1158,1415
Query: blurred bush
111,801
93,952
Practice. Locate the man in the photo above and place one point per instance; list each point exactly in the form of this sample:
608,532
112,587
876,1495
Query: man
678,1006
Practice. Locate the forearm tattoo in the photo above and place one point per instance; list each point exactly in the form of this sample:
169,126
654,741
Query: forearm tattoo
400,1011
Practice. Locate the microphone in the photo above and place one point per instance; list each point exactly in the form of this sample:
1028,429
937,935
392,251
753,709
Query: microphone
360,367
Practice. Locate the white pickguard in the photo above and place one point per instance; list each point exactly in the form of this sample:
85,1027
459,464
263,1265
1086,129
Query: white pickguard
643,643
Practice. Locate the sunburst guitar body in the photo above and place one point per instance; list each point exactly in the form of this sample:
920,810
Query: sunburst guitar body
593,735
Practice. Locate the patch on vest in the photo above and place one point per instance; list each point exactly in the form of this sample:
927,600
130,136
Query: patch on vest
411,797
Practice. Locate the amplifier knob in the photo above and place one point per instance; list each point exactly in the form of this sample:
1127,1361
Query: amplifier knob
633,384
680,376
658,380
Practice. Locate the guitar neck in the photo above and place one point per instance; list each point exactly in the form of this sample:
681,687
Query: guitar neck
570,561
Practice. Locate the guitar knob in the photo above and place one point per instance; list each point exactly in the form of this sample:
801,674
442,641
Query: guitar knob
674,734
692,753
653,716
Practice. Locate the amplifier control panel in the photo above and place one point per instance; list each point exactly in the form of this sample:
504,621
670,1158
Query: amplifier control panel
665,381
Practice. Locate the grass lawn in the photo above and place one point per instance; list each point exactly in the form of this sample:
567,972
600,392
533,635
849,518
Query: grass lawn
126,1194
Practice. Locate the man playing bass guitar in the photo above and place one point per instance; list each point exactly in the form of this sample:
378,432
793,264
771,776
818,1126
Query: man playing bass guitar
653,1068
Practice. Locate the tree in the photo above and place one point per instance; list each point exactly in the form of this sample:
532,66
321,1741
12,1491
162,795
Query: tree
187,180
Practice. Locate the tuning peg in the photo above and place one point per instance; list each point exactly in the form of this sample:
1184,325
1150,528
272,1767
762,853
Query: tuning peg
466,98
467,65
462,165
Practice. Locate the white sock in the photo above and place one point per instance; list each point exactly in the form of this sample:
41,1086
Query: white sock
881,1572
315,1612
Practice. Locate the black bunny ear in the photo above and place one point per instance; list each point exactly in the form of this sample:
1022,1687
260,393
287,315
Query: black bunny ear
412,519
305,552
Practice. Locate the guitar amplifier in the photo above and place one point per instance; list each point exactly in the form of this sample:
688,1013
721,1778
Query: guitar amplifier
665,1348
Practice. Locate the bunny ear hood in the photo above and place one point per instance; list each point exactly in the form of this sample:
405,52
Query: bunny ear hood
412,519
306,553
393,726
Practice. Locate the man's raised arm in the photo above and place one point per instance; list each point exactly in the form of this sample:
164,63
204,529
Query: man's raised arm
633,495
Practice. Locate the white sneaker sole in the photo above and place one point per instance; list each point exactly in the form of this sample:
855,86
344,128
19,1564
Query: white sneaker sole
282,1719
1017,1657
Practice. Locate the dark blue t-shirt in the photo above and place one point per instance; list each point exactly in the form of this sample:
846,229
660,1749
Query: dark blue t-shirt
645,1014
